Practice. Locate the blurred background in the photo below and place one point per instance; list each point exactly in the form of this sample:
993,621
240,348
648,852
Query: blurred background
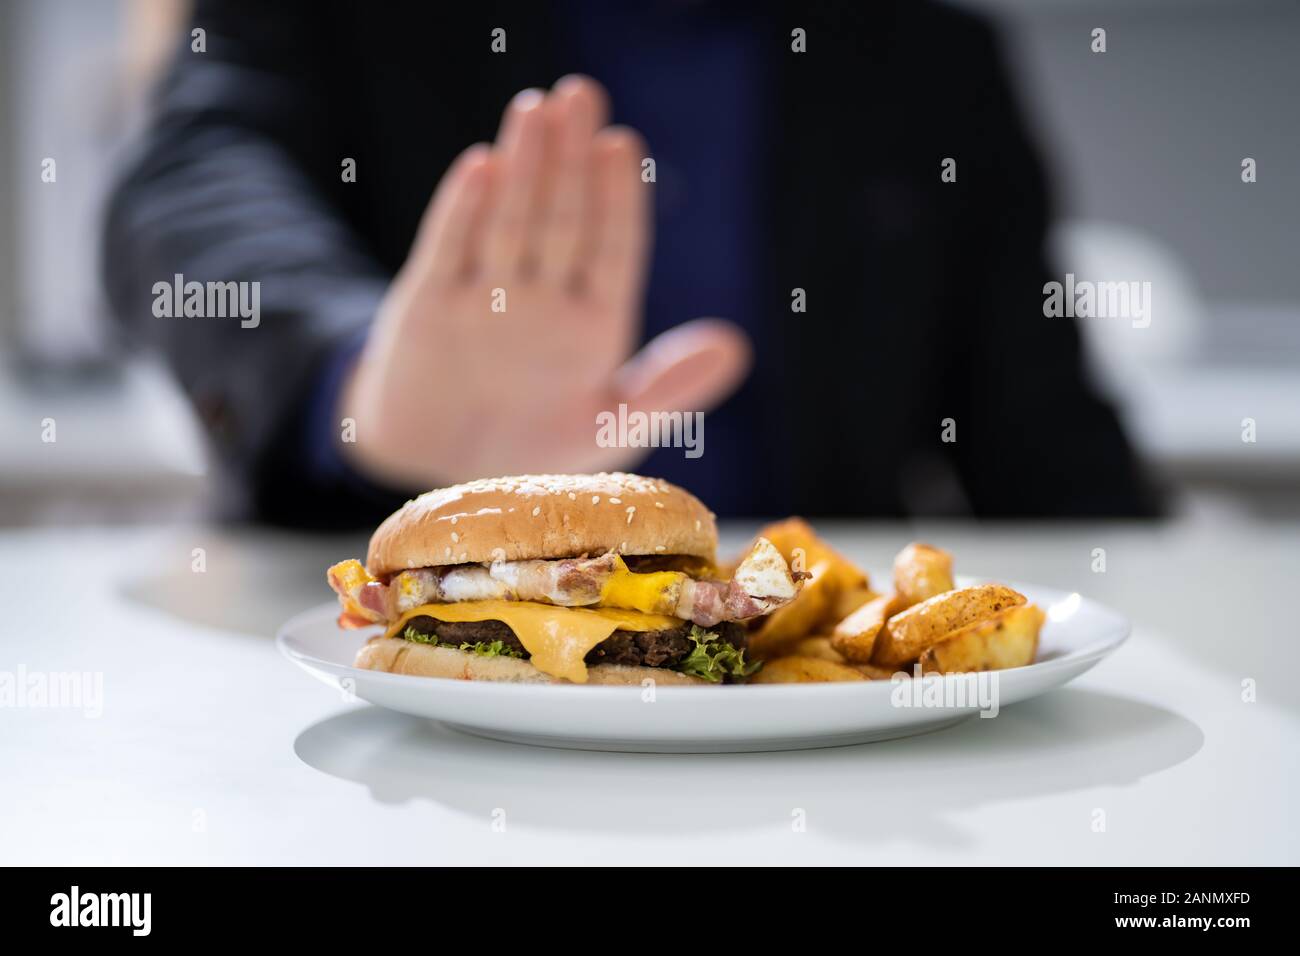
1145,154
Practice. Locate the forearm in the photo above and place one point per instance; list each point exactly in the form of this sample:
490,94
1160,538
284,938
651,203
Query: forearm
220,192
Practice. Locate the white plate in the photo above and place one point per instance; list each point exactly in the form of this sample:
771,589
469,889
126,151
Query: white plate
1078,634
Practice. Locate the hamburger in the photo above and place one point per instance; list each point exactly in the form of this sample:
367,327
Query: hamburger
584,579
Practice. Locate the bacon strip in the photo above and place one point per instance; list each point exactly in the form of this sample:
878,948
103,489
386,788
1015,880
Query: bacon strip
571,582
762,583
707,603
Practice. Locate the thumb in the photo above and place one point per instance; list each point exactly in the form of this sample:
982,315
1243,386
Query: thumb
692,367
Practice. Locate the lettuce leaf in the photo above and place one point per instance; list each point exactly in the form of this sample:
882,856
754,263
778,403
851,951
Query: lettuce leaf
713,659
482,648
491,649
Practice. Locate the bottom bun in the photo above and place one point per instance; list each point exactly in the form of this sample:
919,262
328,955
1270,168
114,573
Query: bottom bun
395,655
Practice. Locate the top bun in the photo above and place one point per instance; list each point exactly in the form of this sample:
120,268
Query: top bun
542,516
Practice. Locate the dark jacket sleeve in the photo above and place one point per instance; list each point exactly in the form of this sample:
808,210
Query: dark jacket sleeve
1033,438
228,185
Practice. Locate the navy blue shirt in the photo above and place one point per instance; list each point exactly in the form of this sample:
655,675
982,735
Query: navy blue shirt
689,77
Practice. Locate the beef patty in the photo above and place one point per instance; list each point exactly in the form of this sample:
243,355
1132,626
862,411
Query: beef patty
662,648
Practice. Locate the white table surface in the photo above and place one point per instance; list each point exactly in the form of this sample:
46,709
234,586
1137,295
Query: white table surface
212,748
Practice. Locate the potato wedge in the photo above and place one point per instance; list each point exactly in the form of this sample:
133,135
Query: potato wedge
1008,639
906,634
813,611
795,533
818,646
804,670
920,572
798,619
846,602
872,672
855,636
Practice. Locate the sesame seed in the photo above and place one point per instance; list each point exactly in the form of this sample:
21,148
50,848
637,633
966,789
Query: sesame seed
455,518
697,524
631,510
537,510
615,501
659,547
623,546
455,538
595,499
659,504
572,496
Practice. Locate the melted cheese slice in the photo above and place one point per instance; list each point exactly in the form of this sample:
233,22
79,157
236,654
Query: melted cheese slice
558,638
651,592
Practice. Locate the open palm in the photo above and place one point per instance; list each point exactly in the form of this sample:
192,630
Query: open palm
514,320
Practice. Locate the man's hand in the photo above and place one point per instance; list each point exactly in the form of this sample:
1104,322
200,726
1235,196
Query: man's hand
552,223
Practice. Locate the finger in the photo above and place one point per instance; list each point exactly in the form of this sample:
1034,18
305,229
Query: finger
580,108
692,367
443,250
613,265
520,144
575,84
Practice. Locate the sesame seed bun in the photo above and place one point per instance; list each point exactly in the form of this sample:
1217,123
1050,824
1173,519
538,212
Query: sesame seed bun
543,517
